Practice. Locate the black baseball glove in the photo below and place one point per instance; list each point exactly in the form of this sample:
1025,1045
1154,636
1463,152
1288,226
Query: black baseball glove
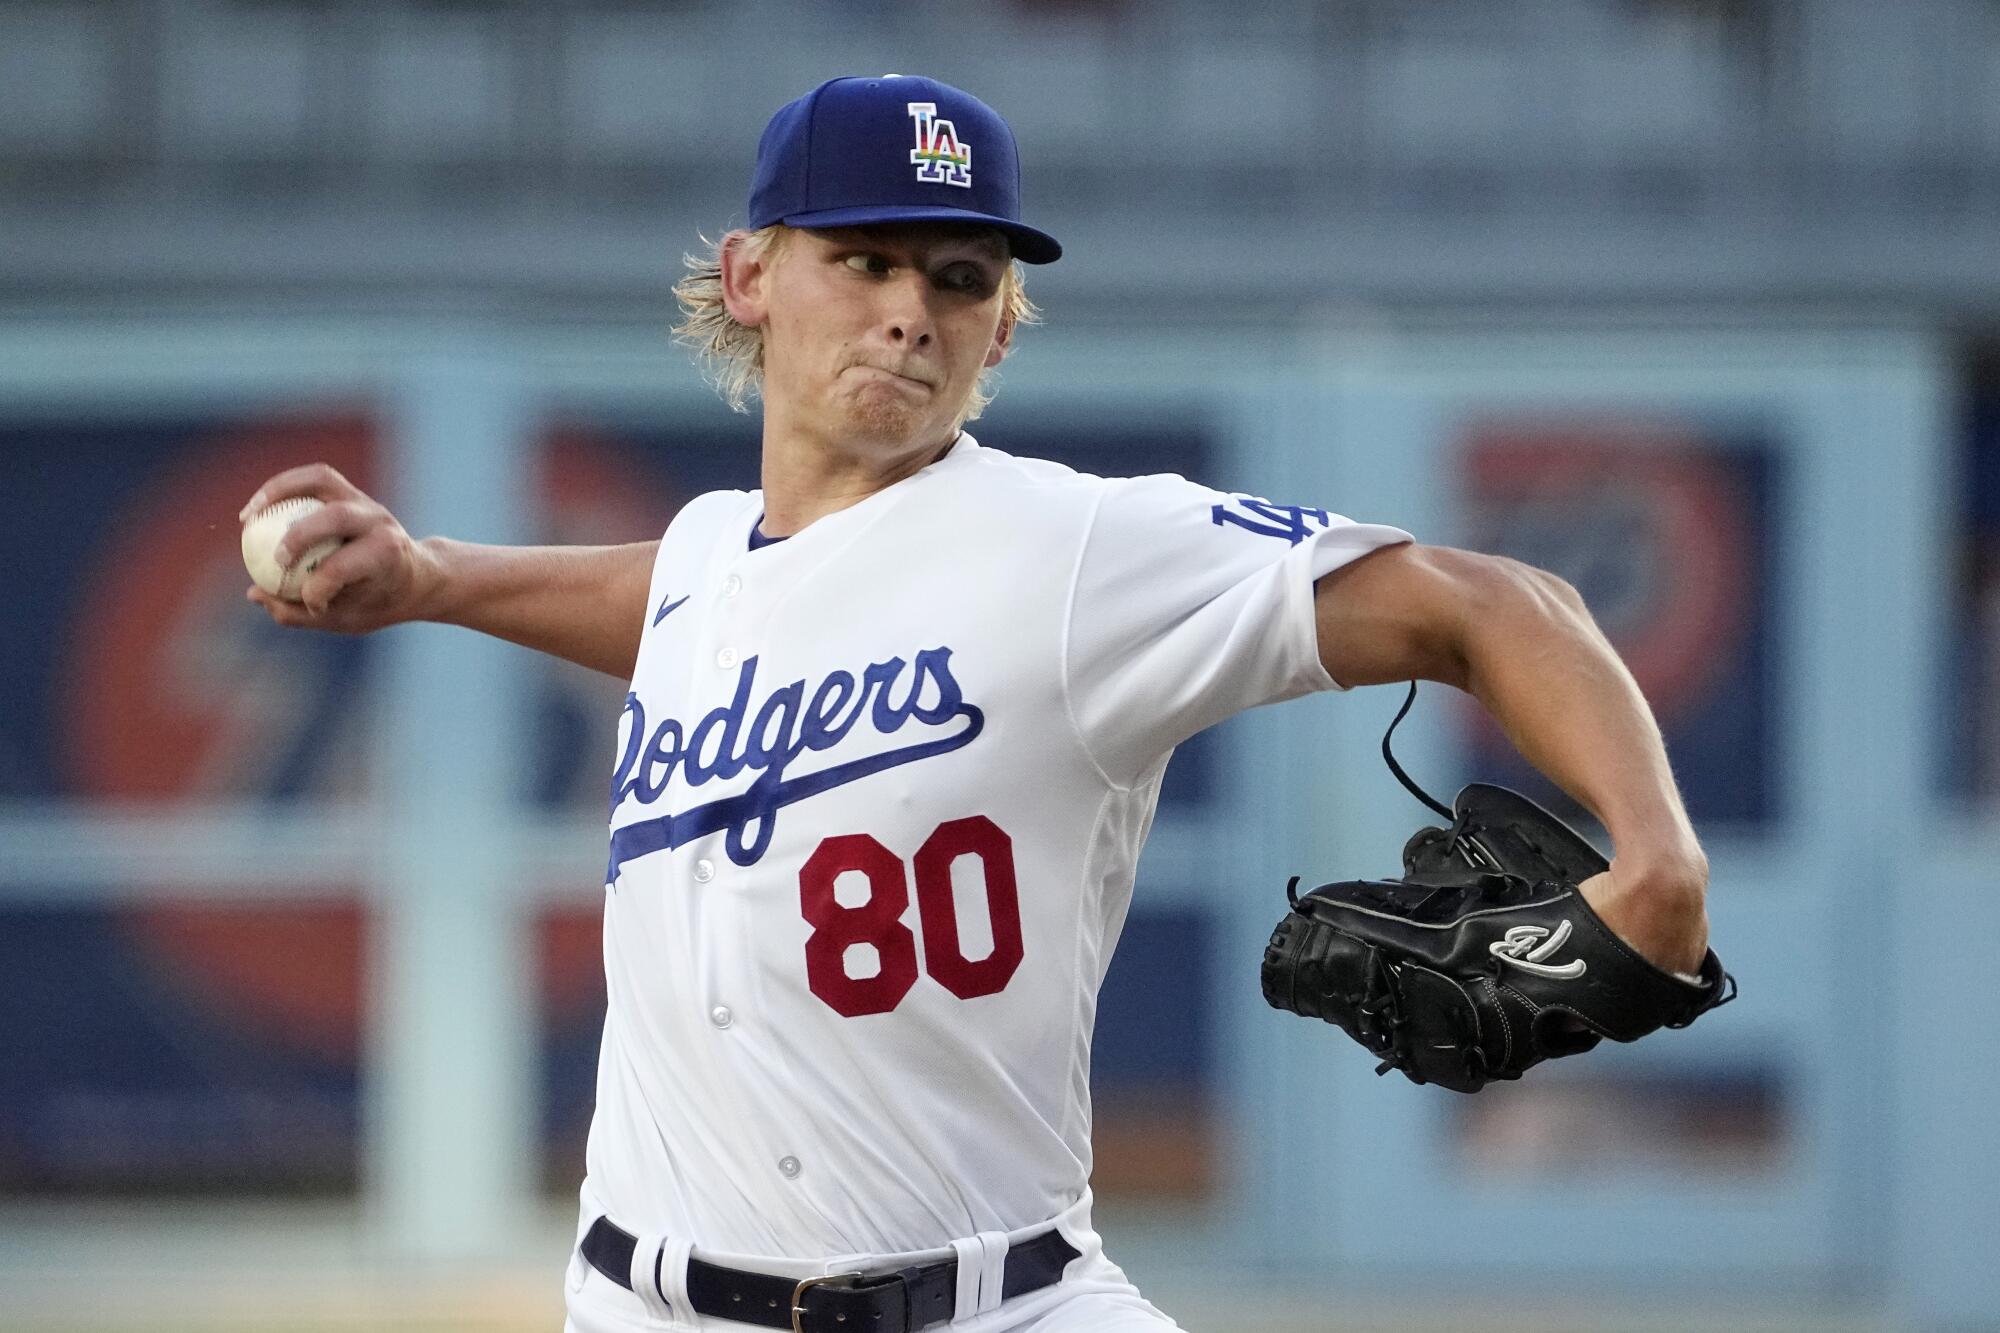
1483,959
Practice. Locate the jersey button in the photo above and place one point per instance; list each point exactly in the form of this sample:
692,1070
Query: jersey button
789,1167
704,871
720,1016
726,658
732,585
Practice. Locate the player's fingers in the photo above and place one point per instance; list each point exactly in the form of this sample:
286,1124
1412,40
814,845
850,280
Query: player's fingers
362,576
291,615
342,520
315,479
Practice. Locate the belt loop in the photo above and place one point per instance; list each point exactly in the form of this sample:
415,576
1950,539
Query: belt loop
992,1268
648,1273
971,1268
673,1280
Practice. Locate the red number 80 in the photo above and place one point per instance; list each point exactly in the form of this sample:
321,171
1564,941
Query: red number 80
877,921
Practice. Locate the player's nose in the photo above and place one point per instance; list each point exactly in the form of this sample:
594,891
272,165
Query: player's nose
907,313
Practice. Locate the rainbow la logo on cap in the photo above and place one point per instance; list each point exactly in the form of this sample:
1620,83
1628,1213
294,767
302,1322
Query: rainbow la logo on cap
940,158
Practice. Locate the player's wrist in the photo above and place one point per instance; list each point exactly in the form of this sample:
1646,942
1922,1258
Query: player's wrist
1661,856
432,564
1673,877
1660,907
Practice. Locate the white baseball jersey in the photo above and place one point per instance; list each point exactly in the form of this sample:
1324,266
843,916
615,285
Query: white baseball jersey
879,795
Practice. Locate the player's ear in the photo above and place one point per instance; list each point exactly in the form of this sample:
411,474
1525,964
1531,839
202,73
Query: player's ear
746,269
1003,340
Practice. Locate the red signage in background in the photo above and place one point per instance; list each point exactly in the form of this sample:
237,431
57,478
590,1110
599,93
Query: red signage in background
180,693
177,693
1666,533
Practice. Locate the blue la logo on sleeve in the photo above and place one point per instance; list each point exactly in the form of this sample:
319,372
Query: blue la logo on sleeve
1294,523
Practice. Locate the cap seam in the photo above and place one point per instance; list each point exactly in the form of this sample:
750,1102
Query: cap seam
812,126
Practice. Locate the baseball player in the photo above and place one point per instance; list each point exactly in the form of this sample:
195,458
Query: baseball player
896,727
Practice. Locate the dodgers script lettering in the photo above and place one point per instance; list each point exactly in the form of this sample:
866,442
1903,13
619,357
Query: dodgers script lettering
787,724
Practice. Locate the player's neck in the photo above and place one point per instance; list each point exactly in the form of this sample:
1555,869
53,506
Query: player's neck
805,479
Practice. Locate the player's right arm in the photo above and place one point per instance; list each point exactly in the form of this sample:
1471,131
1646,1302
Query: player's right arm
583,603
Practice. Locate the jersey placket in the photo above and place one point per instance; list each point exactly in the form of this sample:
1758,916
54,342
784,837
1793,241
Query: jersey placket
717,872
737,611
766,606
715,660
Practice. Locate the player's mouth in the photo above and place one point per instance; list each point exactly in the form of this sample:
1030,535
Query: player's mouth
894,377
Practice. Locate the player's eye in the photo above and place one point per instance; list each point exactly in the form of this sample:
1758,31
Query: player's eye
867,263
967,278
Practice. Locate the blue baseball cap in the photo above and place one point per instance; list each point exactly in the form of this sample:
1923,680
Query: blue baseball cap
892,149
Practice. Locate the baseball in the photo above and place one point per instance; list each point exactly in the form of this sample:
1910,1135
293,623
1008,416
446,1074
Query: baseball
260,540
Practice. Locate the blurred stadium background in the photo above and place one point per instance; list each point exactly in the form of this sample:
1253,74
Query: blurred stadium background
1695,301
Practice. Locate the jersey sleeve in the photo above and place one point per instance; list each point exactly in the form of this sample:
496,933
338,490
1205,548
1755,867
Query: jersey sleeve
1191,605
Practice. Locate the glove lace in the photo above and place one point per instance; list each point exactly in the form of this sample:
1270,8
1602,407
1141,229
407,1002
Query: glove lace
1378,1007
1383,1028
1396,768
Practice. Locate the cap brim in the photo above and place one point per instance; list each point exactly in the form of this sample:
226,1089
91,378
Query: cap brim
1029,246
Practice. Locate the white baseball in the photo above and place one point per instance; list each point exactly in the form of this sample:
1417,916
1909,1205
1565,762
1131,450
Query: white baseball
260,540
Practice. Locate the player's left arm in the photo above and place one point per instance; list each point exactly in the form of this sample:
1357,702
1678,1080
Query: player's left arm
1522,642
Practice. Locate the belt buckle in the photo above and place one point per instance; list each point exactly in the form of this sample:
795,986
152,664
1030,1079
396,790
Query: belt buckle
799,1294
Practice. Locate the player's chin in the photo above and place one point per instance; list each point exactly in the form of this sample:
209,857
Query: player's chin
886,417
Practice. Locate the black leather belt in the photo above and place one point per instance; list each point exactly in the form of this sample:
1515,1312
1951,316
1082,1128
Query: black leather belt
899,1302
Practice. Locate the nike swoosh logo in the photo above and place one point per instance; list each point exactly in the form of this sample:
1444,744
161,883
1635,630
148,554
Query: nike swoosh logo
666,608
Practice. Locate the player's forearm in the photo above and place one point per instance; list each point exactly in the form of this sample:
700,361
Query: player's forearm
583,603
1538,662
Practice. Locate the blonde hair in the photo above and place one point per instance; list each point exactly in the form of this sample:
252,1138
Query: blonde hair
732,354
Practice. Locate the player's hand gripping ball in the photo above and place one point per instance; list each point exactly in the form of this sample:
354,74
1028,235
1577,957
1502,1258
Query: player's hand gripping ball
261,534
